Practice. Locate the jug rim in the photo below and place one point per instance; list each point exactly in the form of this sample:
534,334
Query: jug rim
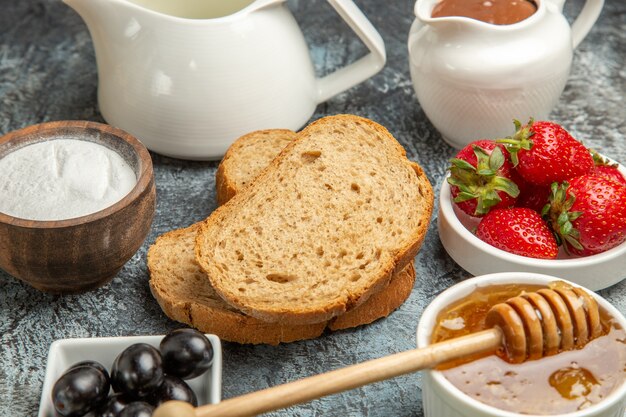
423,10
252,6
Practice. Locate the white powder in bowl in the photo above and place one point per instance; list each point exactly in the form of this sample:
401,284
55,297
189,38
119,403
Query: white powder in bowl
61,179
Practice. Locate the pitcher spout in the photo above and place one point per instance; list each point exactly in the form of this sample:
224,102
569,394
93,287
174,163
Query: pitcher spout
423,11
100,16
87,8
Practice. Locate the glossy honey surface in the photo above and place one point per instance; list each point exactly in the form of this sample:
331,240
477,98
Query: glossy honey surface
563,383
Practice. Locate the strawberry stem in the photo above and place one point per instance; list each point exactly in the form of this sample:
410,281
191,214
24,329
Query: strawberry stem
520,140
599,161
558,215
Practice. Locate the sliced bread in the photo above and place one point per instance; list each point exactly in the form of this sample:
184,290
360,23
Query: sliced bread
246,158
186,295
322,229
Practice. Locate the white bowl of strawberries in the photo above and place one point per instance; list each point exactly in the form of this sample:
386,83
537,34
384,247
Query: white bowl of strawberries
538,201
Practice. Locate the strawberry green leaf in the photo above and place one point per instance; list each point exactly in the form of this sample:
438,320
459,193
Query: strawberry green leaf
574,215
486,172
520,140
491,195
570,202
461,197
496,160
506,185
484,165
572,241
455,181
566,228
482,182
461,164
560,219
599,161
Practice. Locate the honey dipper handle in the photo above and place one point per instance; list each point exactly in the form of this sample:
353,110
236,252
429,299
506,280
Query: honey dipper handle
354,376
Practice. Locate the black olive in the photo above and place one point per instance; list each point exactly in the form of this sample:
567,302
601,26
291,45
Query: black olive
115,404
79,391
92,364
173,388
137,370
186,353
137,409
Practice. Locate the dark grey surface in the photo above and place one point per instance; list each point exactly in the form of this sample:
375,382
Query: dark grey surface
47,72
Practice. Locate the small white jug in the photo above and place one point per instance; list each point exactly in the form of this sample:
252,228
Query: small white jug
473,78
188,77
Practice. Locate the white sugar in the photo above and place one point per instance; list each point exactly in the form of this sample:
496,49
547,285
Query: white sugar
62,179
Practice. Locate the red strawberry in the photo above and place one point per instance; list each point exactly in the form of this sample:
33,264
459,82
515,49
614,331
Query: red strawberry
480,178
606,169
588,214
543,152
518,230
533,197
610,173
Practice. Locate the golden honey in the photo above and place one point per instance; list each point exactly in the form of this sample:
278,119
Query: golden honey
563,383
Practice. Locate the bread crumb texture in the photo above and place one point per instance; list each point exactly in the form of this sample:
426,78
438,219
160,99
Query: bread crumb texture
322,228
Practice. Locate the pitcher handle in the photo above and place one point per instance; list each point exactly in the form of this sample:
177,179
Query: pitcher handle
363,68
585,20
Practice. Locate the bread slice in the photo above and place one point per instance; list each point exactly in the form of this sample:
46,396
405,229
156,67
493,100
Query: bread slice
322,229
246,158
186,295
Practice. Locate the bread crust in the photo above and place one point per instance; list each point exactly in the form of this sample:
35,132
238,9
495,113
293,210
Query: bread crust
214,316
226,184
316,314
381,304
224,188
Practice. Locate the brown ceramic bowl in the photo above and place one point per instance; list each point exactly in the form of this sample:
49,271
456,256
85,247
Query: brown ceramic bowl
82,253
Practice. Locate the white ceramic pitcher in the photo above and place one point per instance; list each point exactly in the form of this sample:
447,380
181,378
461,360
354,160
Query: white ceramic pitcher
473,78
188,77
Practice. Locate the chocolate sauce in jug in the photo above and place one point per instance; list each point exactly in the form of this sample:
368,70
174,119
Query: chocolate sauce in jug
497,12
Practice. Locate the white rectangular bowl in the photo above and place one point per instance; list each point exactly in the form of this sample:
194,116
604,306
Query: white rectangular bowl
66,352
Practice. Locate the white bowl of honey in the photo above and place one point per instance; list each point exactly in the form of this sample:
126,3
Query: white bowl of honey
585,382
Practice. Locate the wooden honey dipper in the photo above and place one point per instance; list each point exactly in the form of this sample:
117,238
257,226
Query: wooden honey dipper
529,326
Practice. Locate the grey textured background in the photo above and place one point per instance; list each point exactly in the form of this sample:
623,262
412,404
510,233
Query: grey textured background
47,72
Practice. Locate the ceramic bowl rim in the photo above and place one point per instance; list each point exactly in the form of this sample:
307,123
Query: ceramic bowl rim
446,209
465,287
48,131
